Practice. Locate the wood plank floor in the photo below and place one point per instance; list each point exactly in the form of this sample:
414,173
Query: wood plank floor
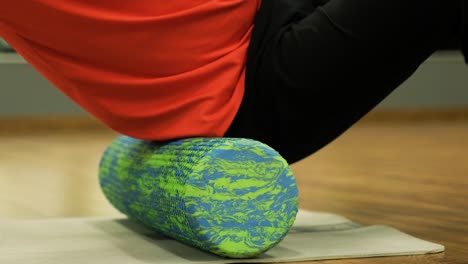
412,176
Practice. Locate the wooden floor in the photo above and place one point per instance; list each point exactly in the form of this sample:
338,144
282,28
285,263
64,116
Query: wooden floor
412,176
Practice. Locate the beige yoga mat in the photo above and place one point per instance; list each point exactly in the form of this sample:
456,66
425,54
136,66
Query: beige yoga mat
315,236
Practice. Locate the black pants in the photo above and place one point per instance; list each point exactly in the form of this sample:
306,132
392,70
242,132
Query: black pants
316,67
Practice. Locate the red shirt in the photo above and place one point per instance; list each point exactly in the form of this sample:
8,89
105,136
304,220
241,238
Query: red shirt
148,69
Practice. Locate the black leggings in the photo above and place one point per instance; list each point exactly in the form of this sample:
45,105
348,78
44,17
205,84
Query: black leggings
316,67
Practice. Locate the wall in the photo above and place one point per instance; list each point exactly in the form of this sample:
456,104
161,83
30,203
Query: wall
441,82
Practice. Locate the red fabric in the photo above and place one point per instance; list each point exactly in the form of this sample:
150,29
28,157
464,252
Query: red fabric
148,69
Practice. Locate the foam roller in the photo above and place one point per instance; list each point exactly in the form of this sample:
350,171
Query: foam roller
232,197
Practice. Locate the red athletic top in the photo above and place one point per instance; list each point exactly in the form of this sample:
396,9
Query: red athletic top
148,69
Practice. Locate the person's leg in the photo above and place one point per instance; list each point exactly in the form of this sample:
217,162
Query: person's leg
318,76
464,40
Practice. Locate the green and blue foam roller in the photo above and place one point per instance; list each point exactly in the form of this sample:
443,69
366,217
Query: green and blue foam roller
233,197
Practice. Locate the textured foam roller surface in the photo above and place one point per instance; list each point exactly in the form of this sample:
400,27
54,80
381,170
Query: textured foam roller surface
236,198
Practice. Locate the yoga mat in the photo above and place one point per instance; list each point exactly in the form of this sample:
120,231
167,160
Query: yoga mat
117,240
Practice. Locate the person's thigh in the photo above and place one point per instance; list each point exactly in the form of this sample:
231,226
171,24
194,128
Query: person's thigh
464,6
321,74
